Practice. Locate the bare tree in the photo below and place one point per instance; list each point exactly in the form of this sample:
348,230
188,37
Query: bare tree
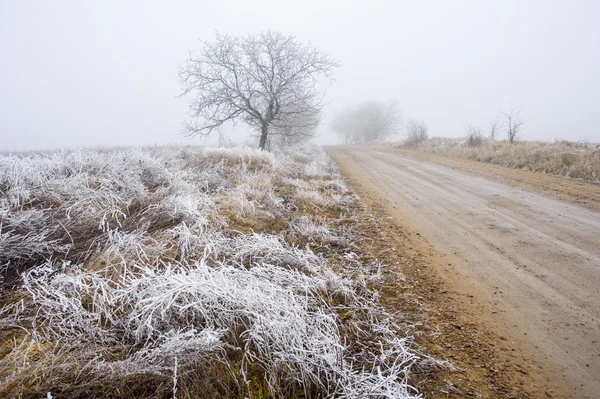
347,125
221,138
494,129
513,122
371,120
474,136
416,132
379,119
268,81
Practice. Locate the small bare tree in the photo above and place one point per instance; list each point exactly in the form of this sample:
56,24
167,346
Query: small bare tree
494,129
513,122
416,132
474,136
268,81
221,138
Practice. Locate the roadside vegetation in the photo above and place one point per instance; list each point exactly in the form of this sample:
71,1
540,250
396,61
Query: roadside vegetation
188,272
562,158
368,121
416,133
577,160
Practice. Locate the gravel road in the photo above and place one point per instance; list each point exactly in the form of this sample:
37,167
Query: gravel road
532,261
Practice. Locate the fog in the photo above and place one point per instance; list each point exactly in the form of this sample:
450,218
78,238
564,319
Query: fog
104,73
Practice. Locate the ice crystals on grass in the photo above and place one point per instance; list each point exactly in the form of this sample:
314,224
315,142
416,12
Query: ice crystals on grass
174,265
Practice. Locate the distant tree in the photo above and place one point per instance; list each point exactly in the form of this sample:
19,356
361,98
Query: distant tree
345,124
474,136
494,129
371,120
513,122
266,80
416,132
222,138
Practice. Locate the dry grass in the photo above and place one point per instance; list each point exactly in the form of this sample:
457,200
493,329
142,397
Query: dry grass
186,272
562,158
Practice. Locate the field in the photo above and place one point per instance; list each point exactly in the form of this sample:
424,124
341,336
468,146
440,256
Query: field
562,158
190,272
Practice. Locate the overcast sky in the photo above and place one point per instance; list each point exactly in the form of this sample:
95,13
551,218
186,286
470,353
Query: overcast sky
84,73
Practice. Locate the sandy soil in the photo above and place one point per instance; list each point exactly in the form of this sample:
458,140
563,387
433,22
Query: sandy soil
521,256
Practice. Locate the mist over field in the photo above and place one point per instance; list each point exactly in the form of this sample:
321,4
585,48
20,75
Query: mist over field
175,224
105,73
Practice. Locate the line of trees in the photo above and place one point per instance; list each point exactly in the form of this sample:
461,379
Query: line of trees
269,82
375,120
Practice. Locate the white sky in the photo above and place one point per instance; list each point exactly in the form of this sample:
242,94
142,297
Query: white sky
84,73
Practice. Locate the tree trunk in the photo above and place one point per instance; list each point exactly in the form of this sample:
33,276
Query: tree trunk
264,133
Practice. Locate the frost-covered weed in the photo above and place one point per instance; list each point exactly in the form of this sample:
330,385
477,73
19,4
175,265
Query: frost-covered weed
305,227
130,264
268,249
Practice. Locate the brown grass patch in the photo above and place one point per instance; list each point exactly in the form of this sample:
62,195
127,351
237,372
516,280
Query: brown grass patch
564,158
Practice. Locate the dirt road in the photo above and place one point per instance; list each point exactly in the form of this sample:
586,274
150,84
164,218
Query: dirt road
531,261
